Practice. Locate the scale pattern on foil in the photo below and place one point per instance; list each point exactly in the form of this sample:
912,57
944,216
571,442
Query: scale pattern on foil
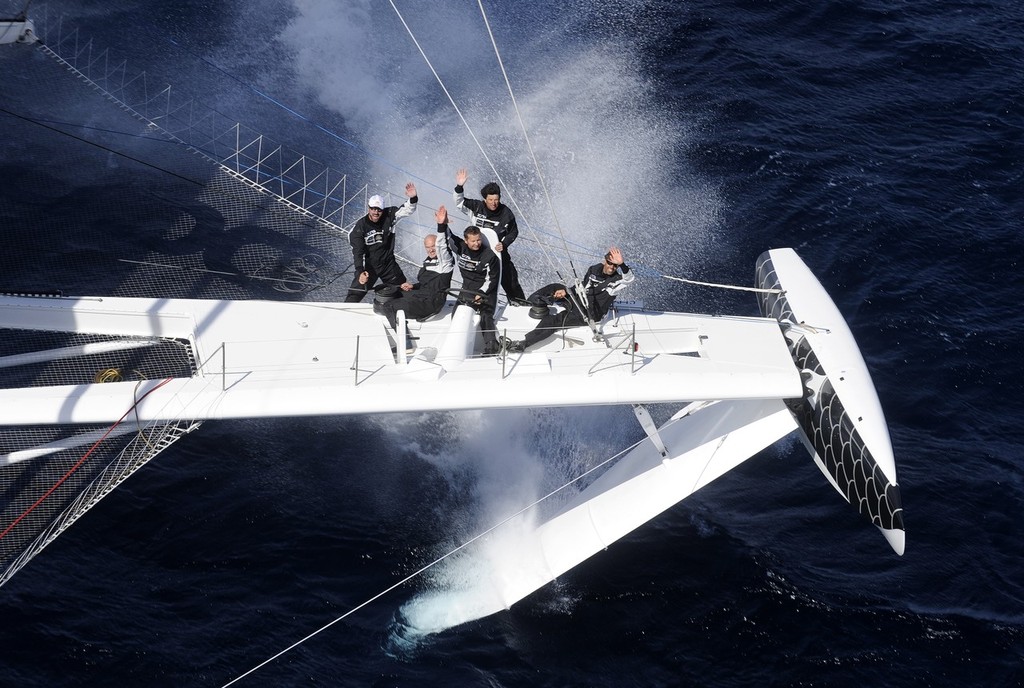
841,449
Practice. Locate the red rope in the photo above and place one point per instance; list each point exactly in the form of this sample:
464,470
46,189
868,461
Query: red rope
82,460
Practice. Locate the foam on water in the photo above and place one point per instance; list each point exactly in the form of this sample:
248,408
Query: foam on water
474,584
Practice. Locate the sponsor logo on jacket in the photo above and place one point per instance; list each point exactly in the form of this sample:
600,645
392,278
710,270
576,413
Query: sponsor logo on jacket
467,262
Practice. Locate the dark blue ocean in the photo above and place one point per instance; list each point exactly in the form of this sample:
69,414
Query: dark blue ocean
882,139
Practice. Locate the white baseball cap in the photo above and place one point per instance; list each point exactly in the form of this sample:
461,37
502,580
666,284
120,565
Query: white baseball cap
376,202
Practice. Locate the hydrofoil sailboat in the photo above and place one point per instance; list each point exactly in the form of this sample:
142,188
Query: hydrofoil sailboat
84,370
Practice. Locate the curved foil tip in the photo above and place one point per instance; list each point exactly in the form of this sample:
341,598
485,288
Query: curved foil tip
897,539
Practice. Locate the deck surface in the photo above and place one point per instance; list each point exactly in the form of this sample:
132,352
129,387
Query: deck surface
263,359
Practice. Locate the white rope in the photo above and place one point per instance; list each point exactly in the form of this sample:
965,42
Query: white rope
575,293
725,286
436,561
511,197
526,135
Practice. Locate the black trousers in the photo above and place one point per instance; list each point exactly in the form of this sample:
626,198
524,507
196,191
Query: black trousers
415,304
510,277
551,323
389,273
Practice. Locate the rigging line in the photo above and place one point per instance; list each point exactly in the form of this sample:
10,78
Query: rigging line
725,286
423,569
526,135
306,119
82,460
579,299
472,134
158,139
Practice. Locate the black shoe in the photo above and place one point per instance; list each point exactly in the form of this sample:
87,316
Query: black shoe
510,346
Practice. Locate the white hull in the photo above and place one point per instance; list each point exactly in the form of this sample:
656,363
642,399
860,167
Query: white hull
702,447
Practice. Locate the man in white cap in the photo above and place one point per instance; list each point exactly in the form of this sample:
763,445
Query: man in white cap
373,245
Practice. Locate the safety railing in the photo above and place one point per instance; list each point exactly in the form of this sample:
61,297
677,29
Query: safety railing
369,354
631,341
302,183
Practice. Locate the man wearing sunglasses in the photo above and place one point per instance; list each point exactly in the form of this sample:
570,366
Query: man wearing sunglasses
373,245
601,285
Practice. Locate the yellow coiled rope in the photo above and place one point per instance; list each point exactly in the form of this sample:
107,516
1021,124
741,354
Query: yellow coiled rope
109,375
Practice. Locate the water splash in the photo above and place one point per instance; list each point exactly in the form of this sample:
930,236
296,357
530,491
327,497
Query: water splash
401,640
480,581
509,459
599,127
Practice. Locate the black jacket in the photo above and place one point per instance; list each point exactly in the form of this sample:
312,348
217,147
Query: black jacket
373,243
480,268
502,220
601,289
435,275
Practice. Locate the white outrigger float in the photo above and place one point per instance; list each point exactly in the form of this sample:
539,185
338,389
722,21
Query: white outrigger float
743,382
